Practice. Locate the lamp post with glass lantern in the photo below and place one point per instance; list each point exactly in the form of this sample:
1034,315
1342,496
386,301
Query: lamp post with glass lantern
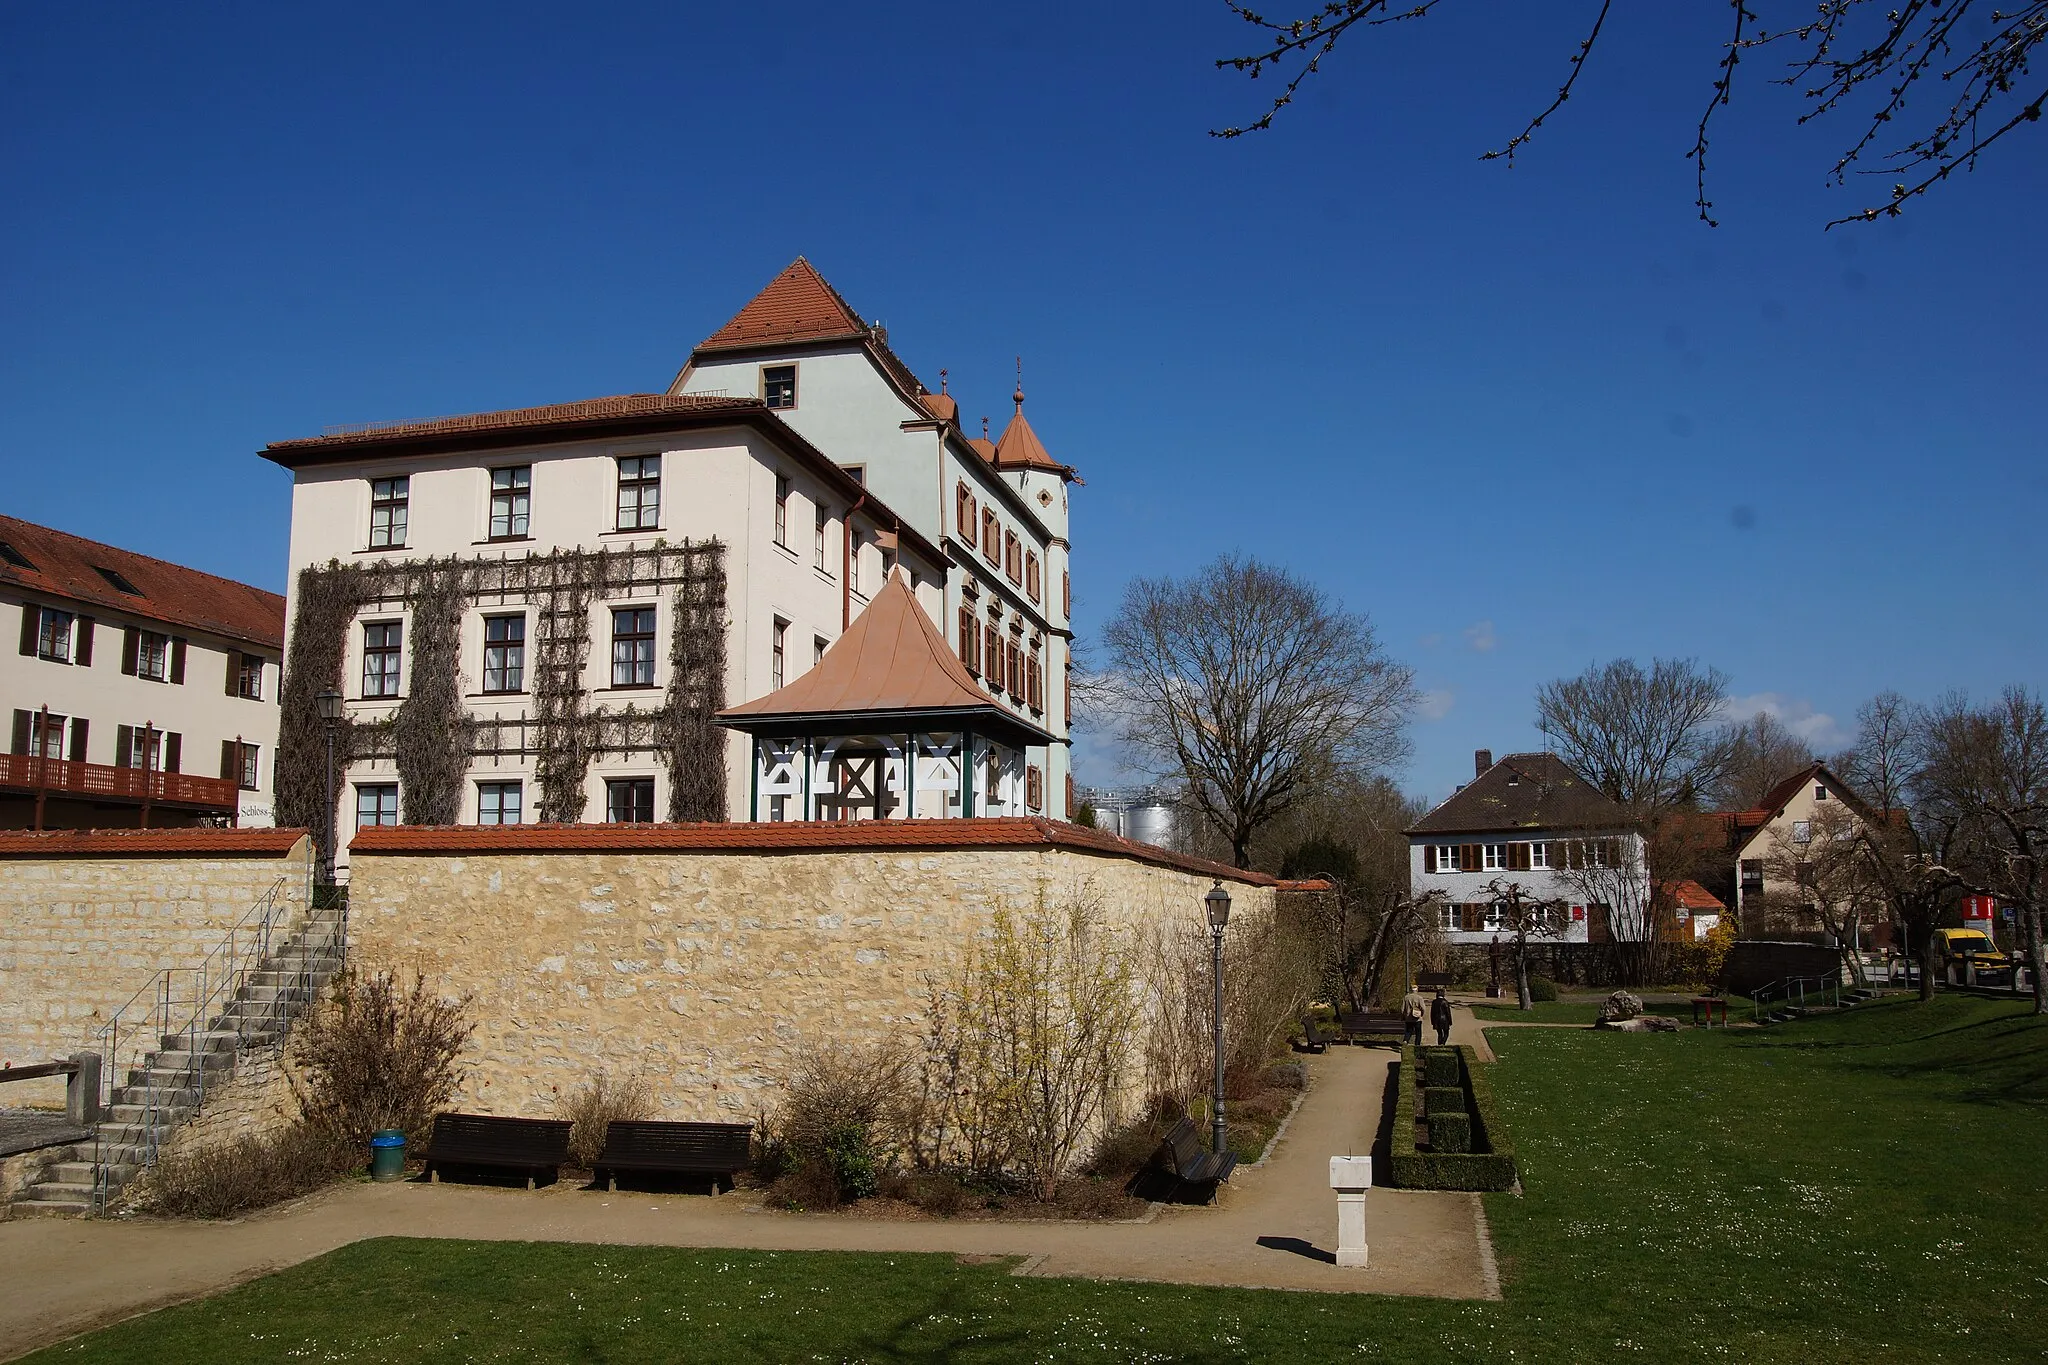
329,705
1217,903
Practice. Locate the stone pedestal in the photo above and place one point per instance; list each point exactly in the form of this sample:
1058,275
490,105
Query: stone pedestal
1351,1177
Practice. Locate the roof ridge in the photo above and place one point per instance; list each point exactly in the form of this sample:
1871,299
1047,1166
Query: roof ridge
137,554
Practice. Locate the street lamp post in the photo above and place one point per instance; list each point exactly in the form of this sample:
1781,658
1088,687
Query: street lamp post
1217,903
329,704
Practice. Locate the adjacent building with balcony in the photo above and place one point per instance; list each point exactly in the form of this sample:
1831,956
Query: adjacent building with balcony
141,693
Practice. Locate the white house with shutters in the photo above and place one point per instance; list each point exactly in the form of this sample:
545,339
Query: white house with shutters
1529,819
140,692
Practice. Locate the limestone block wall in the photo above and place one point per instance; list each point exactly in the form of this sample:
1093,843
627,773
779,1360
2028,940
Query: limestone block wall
88,918
709,967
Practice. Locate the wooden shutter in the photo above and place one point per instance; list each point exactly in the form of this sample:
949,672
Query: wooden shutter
81,632
1518,857
131,644
177,662
22,723
173,745
234,675
1471,917
31,622
124,745
1429,857
80,727
229,767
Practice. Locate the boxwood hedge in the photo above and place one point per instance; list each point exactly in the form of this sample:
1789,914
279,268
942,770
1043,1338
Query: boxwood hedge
1491,1163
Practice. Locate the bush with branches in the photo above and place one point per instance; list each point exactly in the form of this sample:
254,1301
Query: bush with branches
376,1055
592,1106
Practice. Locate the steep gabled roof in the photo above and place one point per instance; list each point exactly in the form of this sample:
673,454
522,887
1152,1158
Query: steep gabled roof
1749,824
1524,792
798,305
891,659
74,569
1019,447
1690,895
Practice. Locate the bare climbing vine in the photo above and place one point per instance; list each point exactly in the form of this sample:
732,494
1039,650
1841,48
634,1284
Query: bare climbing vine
430,731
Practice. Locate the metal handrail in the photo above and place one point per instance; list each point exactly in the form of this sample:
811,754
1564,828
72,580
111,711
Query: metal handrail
1826,989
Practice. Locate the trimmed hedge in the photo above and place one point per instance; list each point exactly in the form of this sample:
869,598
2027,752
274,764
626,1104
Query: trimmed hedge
1440,1067
1450,1132
1443,1099
1490,1167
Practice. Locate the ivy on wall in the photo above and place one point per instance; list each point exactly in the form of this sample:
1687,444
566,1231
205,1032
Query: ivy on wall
432,738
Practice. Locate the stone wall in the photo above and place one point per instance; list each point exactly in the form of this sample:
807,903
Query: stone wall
256,1101
711,960
88,918
1758,962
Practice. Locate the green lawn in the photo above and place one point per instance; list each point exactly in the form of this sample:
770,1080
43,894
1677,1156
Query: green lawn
1585,1009
1859,1187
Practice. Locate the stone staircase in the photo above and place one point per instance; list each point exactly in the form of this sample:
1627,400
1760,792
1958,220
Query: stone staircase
171,1083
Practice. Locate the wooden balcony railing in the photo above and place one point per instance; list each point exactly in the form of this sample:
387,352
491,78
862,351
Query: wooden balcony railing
103,781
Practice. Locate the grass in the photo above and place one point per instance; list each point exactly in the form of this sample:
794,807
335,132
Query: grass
1585,1009
1859,1187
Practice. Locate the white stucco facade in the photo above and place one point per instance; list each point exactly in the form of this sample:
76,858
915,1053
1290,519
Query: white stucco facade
1535,861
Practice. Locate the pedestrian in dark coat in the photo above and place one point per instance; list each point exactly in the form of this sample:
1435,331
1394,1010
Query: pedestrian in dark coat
1440,1017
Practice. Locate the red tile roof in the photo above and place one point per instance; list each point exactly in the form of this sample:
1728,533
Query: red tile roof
797,305
1690,895
1019,447
784,837
892,658
68,567
582,411
150,843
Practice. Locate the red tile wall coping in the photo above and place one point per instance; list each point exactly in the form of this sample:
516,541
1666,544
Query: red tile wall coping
790,837
149,843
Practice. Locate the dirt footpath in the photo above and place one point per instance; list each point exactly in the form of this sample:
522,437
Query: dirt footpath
1273,1227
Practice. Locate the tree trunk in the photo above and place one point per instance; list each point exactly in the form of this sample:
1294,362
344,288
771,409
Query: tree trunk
2035,958
1927,966
1851,955
1522,971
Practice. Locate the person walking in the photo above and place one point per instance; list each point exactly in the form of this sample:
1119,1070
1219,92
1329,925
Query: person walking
1413,1006
1440,1017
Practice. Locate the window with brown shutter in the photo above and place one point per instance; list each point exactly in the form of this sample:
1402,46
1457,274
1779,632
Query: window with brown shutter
230,759
83,642
991,537
970,641
31,619
1066,593
992,641
174,744
1034,788
23,721
177,661
1034,686
1471,917
124,745
1518,857
80,727
963,511
131,644
234,672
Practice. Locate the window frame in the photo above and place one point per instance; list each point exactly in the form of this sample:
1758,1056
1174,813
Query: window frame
1493,857
497,790
248,666
633,786
505,655
781,527
642,486
47,619
1013,556
778,654
517,496
634,638
1032,575
143,656
394,504
249,767
991,536
771,385
821,523
389,651
378,811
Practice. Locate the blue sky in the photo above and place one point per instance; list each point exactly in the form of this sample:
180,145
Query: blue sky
1525,419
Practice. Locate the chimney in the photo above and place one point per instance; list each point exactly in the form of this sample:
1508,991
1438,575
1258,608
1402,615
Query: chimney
1482,759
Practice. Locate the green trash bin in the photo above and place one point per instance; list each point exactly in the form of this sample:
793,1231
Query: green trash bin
387,1155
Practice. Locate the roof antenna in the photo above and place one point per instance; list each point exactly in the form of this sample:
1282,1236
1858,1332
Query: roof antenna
1019,394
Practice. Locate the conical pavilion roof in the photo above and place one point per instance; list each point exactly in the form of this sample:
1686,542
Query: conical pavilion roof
797,305
1019,447
891,666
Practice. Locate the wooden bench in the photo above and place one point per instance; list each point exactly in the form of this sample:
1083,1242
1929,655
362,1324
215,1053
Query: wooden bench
530,1145
1182,1155
713,1149
1373,1025
1317,1037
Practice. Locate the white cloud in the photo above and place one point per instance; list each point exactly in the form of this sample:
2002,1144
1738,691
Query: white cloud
1480,635
1819,729
1434,705
1431,641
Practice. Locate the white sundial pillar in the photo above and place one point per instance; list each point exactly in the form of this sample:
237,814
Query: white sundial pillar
1351,1177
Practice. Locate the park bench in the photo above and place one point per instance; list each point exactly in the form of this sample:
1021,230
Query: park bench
1317,1036
530,1145
713,1149
1182,1155
1373,1026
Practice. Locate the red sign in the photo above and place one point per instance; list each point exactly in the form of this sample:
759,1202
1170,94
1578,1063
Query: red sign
1578,912
1979,907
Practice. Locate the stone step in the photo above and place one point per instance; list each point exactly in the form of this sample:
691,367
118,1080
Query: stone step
80,1172
69,1191
214,1039
47,1208
169,1060
162,1094
167,1114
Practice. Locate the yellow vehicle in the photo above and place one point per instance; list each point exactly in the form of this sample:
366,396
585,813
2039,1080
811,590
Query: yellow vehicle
1954,944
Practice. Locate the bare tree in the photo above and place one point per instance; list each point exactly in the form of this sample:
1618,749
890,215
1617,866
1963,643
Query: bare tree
1826,874
1526,915
1987,767
1247,683
1761,754
1853,57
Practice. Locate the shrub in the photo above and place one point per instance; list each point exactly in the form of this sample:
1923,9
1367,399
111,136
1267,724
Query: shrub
1443,1099
248,1173
593,1105
376,1056
1490,1168
838,1126
1542,988
1440,1066
1449,1132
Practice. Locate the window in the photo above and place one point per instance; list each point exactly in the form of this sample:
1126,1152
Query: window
1034,788
818,647
1447,857
504,653
383,644
1752,876
47,738
964,511
633,647
992,642
152,655
248,767
1066,593
498,803
1495,919
1820,791
117,580
376,805
15,557
778,386
1471,916
991,537
139,746
1034,682
781,511
639,496
1539,857
970,641
1013,556
629,800
1014,661
1802,832
249,676
511,495
53,635
818,540
1031,575
388,503
853,563
1449,916
775,653
1494,858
